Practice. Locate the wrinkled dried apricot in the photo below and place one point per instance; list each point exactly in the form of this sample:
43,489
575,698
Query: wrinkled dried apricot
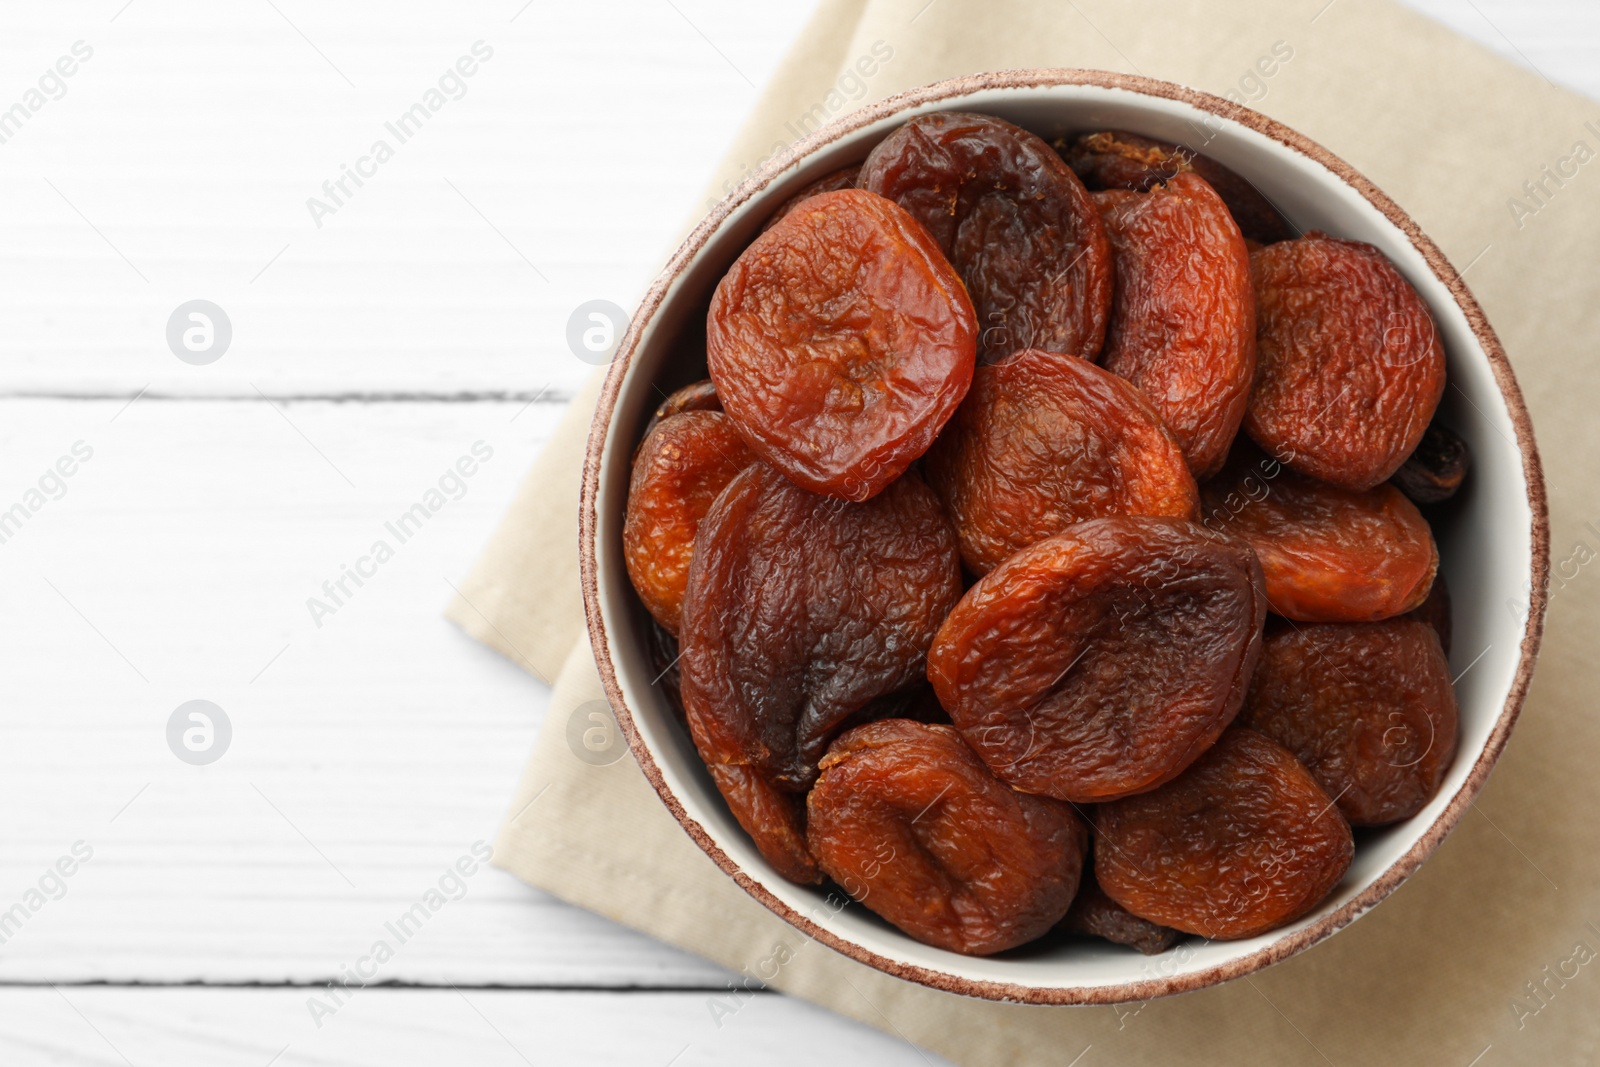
1102,661
678,471
802,609
696,396
677,474
775,820
843,178
840,341
1367,707
1328,554
1434,472
1183,321
1116,159
1093,914
1015,221
1045,440
1242,842
1349,368
912,825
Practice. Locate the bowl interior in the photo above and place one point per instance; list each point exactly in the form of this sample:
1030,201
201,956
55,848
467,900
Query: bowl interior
1486,540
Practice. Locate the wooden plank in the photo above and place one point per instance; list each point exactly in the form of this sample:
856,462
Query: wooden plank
179,162
368,754
382,1027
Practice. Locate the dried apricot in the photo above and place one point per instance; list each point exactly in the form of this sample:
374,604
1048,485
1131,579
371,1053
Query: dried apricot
696,396
1349,368
677,474
1328,554
1045,440
1183,321
840,341
1102,661
803,609
912,825
1367,707
843,178
1242,842
1015,221
1093,914
775,820
1116,159
1434,472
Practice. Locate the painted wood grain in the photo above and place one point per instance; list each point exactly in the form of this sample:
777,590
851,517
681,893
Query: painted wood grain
380,1028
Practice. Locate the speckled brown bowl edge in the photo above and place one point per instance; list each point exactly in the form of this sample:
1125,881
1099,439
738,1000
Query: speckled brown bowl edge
1285,946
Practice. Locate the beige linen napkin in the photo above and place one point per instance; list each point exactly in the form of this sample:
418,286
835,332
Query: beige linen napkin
1488,955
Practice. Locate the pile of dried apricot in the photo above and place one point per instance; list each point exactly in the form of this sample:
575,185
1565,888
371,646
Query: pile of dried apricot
974,598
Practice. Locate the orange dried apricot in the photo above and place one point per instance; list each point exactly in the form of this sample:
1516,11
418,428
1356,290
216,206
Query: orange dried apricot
840,341
1349,367
1102,661
1367,707
678,472
1183,321
912,825
1045,440
1242,842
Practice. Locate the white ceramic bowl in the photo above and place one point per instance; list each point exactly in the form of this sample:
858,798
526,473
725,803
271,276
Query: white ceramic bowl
1493,544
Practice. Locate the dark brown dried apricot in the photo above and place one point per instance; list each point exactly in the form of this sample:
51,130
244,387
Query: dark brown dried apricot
1183,321
801,610
1434,472
1328,554
677,474
775,820
696,396
1015,221
1367,707
840,341
1045,440
843,178
1093,914
1116,159
914,826
1102,661
1349,368
1242,842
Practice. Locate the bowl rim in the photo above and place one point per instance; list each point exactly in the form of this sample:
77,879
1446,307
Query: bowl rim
1147,988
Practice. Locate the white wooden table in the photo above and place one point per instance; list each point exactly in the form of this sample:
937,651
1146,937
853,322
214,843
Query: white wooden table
371,747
